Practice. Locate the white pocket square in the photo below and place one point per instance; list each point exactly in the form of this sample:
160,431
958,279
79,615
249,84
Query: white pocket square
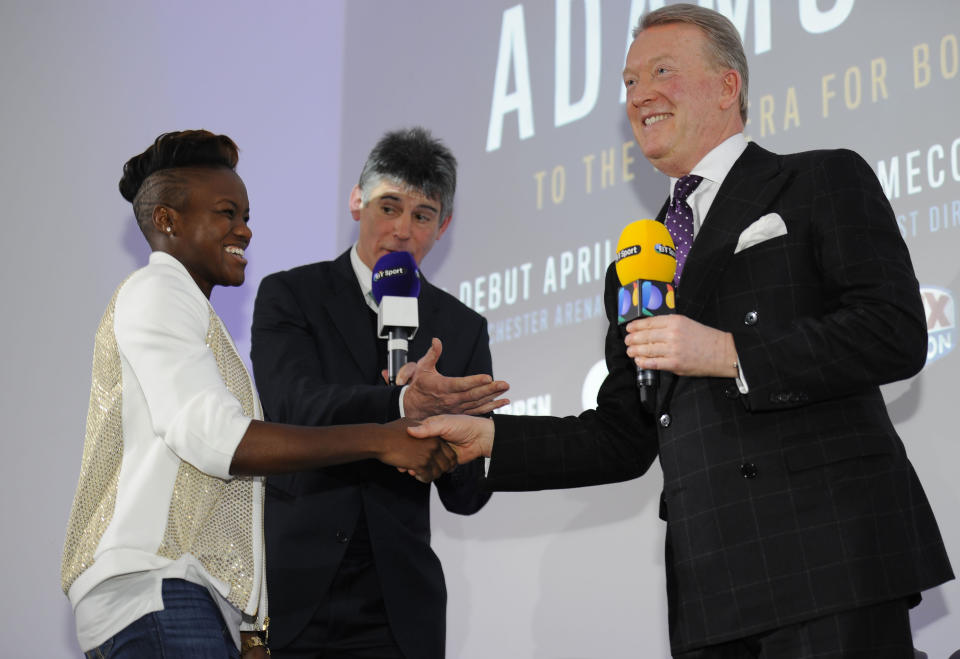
767,227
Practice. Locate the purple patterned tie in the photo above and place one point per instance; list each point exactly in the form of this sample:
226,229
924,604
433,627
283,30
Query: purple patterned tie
679,220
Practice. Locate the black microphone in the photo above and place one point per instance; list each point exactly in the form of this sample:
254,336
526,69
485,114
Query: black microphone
646,263
395,286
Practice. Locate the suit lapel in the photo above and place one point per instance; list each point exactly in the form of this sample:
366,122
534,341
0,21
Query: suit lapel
428,310
753,182
351,315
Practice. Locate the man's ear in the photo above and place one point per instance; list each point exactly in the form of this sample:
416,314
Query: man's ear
444,225
731,84
356,202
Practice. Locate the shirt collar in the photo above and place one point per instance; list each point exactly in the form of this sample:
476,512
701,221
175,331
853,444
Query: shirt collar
158,257
364,277
719,161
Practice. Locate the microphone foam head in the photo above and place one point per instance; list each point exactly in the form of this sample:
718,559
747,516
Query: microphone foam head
395,274
645,251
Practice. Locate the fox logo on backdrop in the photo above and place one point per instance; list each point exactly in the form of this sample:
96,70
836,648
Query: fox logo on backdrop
941,321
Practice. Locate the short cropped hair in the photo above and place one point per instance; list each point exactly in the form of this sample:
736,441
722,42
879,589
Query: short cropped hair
414,159
724,45
156,176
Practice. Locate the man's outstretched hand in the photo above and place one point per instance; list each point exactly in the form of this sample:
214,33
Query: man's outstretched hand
470,436
429,393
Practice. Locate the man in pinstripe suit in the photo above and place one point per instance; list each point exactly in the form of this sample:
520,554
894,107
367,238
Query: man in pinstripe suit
796,526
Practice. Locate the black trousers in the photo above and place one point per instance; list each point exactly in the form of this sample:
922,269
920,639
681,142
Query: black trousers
351,622
879,631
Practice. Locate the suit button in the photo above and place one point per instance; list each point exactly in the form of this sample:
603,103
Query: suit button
748,470
342,537
665,420
751,318
731,391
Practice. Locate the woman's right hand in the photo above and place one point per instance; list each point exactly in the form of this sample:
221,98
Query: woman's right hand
425,459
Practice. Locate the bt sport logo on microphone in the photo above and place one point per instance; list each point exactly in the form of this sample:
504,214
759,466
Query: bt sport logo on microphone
389,272
941,321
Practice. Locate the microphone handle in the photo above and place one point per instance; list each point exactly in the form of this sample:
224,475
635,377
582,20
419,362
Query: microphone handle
397,345
647,381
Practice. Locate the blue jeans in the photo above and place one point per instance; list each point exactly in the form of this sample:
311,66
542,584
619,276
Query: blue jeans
189,627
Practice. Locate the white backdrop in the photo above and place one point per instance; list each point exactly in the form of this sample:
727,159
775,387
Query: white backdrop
305,88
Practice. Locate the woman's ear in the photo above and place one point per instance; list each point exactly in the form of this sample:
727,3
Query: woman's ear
163,220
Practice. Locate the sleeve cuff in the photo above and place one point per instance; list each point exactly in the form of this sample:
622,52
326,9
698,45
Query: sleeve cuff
741,379
403,390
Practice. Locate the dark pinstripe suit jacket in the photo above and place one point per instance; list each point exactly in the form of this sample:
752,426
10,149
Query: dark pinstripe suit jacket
314,356
797,499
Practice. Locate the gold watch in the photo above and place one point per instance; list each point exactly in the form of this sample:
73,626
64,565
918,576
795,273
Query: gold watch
251,642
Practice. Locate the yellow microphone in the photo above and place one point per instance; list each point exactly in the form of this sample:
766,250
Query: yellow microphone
646,263
645,251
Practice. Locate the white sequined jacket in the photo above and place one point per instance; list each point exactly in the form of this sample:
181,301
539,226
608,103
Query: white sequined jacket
169,402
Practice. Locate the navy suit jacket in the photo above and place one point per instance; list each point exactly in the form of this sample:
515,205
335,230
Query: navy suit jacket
797,499
314,354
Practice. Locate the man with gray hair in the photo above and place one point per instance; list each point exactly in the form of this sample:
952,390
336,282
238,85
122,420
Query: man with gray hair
349,564
796,526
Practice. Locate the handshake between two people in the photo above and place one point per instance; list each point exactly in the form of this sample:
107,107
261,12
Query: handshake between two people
427,450
445,414
438,406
